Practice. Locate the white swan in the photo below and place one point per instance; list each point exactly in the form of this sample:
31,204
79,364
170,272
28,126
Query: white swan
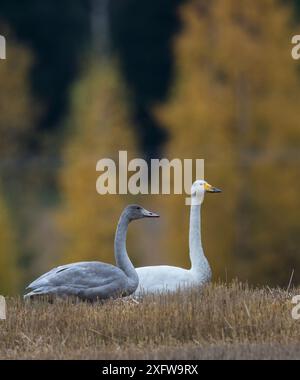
93,281
157,279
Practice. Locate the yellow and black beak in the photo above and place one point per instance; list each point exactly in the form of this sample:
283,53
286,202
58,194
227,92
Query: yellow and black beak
211,189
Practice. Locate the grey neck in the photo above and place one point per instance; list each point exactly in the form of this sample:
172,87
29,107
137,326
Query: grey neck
121,256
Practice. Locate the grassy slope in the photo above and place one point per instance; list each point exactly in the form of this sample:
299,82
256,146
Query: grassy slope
230,321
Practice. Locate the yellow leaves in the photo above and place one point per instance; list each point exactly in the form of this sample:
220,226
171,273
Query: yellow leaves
17,108
9,274
235,103
18,111
99,127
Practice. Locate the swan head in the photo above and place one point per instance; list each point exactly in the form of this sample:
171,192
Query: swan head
199,189
134,212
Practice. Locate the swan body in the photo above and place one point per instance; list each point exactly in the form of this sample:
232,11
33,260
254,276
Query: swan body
93,281
85,280
165,278
160,279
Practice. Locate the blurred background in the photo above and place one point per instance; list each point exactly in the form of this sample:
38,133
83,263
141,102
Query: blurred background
85,79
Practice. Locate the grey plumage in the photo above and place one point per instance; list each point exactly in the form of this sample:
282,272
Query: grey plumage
93,281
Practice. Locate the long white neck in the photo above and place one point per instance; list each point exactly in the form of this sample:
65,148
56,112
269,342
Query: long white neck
121,256
199,262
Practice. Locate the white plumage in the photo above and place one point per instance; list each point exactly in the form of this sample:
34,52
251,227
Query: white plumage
154,279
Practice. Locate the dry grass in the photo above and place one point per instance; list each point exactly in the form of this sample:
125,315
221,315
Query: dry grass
221,322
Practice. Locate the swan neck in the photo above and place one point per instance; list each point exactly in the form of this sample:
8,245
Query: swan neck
121,256
197,256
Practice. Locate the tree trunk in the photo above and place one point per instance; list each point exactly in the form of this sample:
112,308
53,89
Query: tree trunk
100,28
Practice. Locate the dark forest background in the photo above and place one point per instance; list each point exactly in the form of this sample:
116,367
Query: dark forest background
62,53
60,34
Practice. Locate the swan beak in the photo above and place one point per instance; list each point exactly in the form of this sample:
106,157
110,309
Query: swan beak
149,214
211,189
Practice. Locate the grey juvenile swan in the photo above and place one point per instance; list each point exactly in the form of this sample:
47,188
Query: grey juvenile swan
92,281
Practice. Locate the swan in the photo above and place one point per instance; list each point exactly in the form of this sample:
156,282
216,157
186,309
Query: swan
158,279
92,281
